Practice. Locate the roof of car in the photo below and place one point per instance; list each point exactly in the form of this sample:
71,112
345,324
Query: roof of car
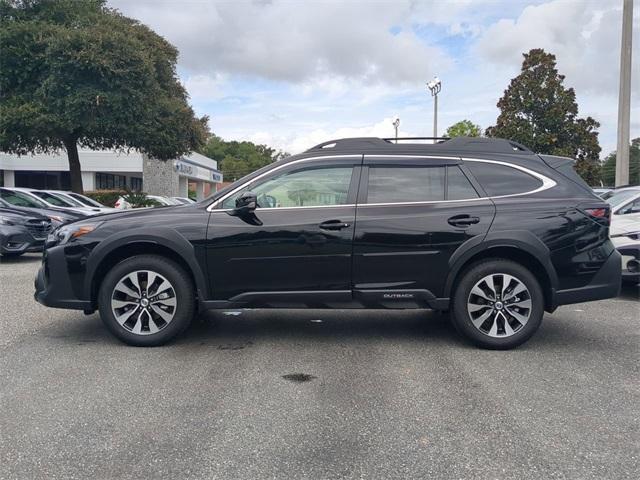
417,146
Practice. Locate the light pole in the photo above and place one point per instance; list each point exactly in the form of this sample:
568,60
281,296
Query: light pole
624,96
396,124
435,86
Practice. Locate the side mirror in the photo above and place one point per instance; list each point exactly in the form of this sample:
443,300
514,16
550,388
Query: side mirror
245,203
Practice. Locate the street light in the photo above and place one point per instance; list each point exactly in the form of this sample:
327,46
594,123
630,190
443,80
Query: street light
435,86
396,124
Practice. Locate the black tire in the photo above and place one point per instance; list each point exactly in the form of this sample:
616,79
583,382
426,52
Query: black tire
461,317
181,284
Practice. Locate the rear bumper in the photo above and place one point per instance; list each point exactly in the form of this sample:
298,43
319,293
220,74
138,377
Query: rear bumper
630,263
58,294
605,284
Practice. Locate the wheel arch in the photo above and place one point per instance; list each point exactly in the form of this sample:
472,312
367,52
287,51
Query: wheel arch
521,247
108,256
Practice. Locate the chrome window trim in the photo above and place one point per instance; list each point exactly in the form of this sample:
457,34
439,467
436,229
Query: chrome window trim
547,183
212,208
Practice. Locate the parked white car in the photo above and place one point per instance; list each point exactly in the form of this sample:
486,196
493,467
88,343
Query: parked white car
81,201
183,200
122,204
625,230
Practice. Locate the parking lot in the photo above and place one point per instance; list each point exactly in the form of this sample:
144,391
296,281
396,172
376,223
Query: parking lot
316,394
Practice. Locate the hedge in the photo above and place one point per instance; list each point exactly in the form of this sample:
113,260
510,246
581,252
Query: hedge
108,198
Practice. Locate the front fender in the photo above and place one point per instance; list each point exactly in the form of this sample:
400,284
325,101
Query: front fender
163,236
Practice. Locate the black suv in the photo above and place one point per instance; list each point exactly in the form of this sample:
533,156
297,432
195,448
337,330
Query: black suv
484,228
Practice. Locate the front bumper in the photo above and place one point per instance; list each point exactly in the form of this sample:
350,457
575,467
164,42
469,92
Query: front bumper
605,284
58,294
17,240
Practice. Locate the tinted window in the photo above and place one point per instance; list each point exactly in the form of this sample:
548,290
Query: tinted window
501,179
86,201
631,207
616,198
405,184
53,200
20,199
458,185
310,187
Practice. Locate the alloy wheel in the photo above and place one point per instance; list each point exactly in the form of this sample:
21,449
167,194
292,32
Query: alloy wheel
499,305
143,302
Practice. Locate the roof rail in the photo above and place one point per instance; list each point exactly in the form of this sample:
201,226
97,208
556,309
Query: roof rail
358,142
402,139
468,144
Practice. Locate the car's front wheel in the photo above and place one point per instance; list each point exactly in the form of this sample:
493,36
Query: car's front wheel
146,300
498,304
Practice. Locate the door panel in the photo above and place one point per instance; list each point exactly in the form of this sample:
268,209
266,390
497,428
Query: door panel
293,250
289,251
407,246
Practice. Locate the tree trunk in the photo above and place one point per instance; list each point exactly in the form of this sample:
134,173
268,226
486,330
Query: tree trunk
75,172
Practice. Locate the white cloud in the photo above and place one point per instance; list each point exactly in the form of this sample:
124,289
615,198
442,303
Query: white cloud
284,72
584,36
297,143
296,42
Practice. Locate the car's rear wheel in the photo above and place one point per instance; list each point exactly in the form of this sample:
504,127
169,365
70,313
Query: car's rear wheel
146,300
498,304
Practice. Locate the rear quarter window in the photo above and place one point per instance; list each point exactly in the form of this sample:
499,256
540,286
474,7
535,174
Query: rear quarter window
500,180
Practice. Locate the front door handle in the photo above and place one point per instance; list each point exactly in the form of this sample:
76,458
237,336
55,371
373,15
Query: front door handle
334,225
462,221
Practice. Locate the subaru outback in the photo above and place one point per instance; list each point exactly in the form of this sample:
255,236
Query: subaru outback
483,228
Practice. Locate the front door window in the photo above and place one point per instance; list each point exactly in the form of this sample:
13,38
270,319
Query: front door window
310,187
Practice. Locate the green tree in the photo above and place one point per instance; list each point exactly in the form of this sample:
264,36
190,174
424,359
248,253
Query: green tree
74,72
237,159
609,165
464,128
539,112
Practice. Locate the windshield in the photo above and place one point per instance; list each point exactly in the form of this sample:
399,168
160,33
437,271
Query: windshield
20,199
616,198
85,200
52,199
68,199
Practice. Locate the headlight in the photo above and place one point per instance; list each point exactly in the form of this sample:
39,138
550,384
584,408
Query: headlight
56,218
67,233
5,221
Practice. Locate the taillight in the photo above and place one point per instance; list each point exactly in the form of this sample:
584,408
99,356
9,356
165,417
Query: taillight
598,212
602,214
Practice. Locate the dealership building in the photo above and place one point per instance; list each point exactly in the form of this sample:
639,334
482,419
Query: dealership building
112,170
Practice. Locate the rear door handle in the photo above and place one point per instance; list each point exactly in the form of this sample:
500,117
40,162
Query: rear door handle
463,220
334,225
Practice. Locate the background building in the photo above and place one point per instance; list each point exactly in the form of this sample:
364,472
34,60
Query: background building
111,170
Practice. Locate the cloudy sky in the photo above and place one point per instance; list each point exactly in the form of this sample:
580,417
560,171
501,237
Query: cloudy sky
293,73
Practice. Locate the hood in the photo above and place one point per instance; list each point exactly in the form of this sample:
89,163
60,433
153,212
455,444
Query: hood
629,223
20,215
139,212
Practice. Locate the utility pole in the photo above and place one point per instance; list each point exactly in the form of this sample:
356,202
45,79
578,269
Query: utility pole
435,86
396,124
624,96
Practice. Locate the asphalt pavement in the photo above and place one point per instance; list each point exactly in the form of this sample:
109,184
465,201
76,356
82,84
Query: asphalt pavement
314,394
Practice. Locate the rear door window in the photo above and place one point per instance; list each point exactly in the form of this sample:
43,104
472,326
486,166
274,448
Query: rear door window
500,180
400,184
458,185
